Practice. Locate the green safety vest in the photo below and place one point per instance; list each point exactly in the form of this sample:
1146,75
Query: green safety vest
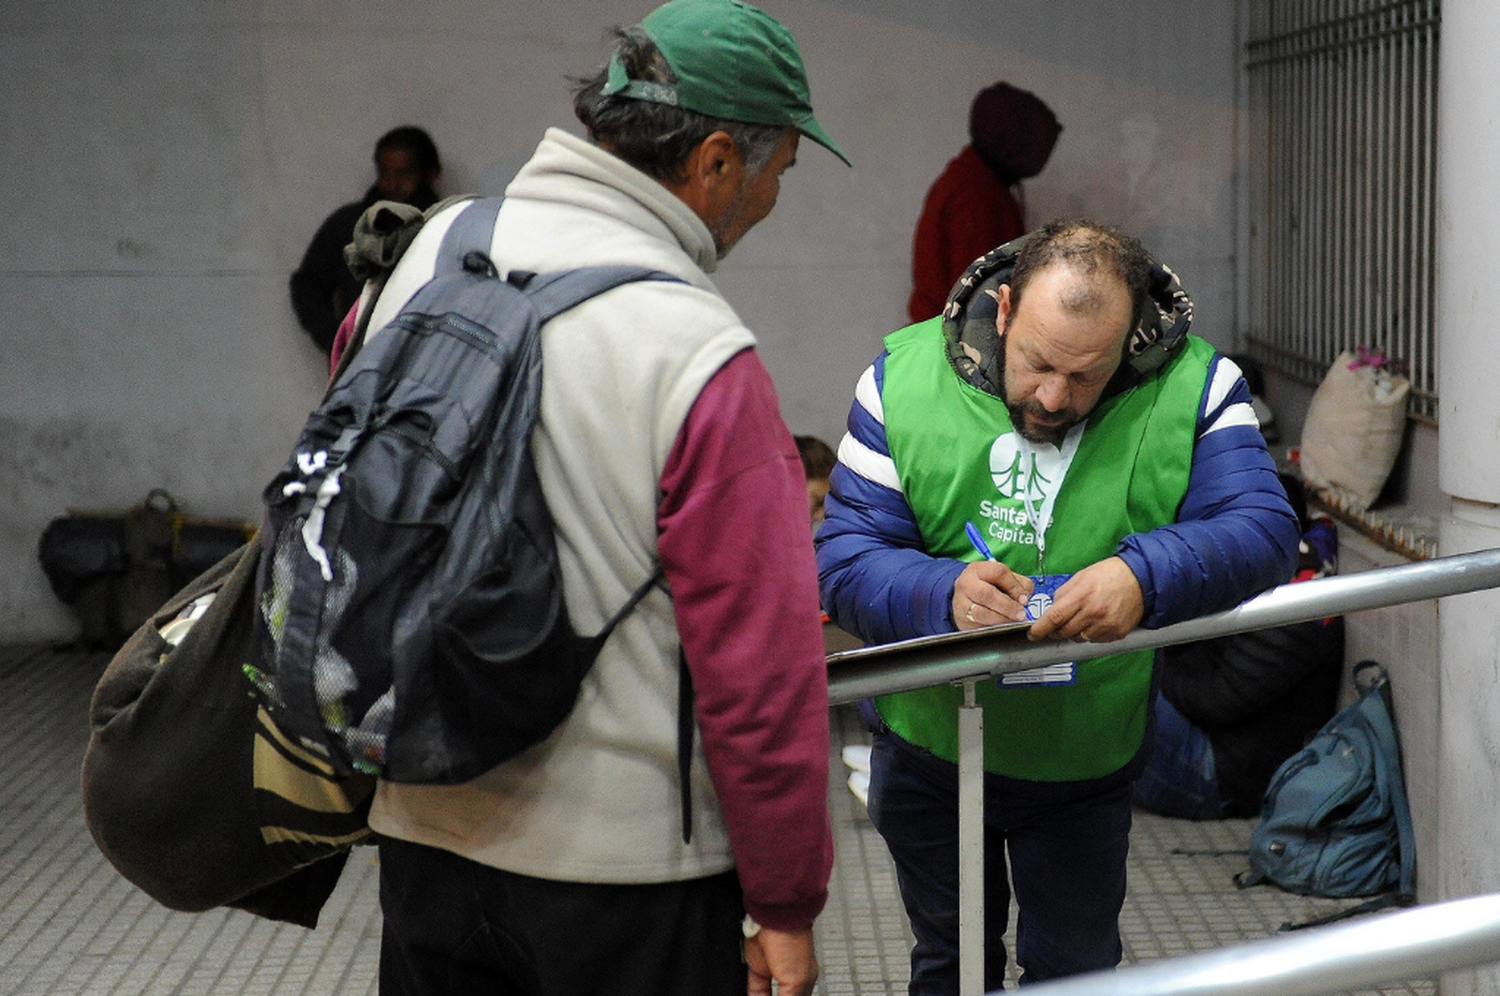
954,452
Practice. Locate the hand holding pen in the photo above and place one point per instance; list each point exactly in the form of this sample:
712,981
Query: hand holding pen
988,593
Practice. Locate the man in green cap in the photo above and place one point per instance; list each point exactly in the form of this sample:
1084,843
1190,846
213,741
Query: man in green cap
672,835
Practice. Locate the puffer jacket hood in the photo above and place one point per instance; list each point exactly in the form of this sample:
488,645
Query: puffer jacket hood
973,341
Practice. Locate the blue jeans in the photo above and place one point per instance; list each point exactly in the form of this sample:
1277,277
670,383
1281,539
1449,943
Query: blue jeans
1066,859
1180,779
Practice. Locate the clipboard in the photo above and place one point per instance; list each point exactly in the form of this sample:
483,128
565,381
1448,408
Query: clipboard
919,643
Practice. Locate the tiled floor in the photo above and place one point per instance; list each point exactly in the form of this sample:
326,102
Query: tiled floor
70,925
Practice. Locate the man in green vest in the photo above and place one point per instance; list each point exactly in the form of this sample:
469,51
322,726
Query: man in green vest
1054,446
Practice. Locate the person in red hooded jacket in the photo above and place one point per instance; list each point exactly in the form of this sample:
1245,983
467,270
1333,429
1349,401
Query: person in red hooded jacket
972,207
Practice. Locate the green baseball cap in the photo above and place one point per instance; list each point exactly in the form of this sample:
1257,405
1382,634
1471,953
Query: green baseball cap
733,61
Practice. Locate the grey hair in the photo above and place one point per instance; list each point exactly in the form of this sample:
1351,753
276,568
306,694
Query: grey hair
657,138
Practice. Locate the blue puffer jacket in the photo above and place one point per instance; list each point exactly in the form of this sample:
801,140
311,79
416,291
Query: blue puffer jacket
1235,534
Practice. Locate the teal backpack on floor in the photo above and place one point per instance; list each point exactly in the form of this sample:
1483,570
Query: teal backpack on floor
1335,821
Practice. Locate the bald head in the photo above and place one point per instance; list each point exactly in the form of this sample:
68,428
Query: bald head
1096,255
1082,292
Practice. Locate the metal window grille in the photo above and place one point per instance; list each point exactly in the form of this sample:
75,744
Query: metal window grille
1342,173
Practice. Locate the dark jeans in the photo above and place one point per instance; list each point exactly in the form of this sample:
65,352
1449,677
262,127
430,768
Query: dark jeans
1067,861
456,927
1181,778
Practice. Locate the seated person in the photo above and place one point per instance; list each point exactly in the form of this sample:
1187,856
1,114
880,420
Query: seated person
817,463
1231,709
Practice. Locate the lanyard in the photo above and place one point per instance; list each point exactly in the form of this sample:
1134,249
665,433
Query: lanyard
1041,518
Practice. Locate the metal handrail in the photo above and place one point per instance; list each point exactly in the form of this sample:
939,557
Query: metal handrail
1417,943
954,658
968,658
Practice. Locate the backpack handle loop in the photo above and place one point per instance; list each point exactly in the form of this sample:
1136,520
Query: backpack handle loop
1369,675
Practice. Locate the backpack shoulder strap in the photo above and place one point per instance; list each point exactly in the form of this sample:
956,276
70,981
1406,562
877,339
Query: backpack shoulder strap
471,231
1378,708
554,293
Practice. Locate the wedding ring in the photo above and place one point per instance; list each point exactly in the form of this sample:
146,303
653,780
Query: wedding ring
1083,637
970,614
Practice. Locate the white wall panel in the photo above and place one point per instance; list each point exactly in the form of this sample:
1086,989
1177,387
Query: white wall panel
166,162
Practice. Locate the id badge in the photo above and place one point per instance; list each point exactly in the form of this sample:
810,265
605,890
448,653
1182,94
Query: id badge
1044,587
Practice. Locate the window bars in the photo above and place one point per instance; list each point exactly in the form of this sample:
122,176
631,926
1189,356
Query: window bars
1342,174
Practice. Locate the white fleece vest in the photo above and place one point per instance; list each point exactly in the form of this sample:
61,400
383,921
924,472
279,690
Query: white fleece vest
598,801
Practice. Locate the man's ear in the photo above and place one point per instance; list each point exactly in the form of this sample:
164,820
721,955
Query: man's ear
710,176
1002,305
715,160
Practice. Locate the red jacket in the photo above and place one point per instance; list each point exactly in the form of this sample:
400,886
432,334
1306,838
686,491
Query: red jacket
968,212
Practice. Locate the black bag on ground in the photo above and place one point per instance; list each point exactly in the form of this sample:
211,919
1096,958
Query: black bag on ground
79,548
189,789
113,568
412,620
1335,821
116,568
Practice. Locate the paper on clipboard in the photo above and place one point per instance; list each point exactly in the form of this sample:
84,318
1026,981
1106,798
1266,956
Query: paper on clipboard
925,642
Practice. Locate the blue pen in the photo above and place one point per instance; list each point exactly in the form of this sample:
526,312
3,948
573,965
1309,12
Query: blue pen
978,541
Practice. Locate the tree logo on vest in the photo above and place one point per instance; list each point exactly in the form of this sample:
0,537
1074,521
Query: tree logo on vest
1017,475
1027,476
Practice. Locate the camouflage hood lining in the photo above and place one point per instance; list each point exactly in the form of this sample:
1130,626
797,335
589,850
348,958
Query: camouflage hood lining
973,341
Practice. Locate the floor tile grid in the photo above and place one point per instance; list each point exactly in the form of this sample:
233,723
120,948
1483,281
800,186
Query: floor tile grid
69,923
863,939
1181,894
1182,897
71,926
44,868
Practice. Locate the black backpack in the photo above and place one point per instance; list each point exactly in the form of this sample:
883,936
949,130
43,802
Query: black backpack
411,609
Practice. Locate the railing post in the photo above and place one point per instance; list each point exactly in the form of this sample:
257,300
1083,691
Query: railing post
970,844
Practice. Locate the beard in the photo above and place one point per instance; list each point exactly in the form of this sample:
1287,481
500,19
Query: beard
1037,425
722,226
1034,423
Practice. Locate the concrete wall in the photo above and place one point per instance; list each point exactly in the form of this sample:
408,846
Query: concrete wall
1405,639
1468,202
167,161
